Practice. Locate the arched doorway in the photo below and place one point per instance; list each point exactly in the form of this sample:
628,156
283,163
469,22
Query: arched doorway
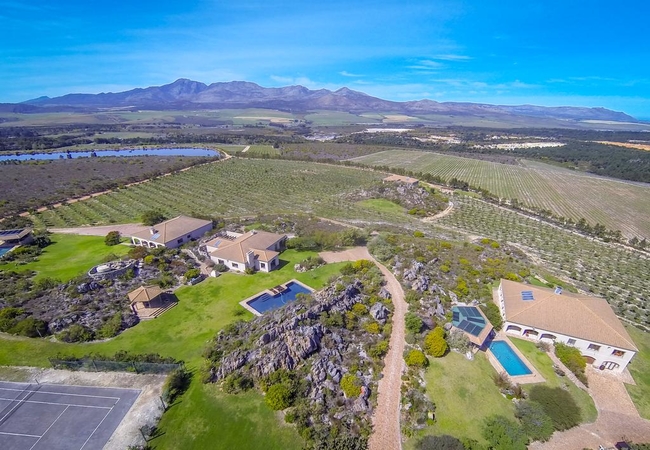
531,333
589,359
513,329
609,365
548,336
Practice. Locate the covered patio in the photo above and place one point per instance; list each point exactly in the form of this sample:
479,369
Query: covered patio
148,302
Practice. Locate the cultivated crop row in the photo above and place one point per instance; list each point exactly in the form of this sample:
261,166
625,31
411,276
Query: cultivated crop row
606,270
618,205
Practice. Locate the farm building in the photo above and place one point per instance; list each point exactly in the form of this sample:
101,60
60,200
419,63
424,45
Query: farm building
257,250
172,233
9,238
586,323
401,179
471,321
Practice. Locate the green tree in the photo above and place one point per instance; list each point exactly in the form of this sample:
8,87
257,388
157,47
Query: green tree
152,217
350,386
493,314
558,404
537,425
278,397
112,238
504,434
415,358
435,344
442,442
413,323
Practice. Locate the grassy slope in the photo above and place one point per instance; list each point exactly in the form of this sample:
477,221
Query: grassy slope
640,370
381,205
464,395
69,256
544,366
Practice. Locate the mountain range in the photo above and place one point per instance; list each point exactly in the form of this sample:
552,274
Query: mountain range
184,94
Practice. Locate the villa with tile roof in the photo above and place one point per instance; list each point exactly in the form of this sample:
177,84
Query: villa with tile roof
586,323
172,233
257,250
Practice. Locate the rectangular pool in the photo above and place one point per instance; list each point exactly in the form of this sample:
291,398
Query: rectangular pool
508,359
4,250
267,301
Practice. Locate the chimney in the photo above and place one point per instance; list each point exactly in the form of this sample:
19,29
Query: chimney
558,290
152,230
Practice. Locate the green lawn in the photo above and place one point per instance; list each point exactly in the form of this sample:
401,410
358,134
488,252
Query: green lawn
464,395
204,418
381,205
209,419
544,366
182,332
640,370
69,256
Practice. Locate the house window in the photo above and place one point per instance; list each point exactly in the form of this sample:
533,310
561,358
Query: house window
263,265
189,236
618,353
594,347
235,264
571,342
220,261
180,241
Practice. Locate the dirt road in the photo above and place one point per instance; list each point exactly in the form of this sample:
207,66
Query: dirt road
386,424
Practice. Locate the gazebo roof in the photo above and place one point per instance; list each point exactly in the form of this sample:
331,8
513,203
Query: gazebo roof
144,294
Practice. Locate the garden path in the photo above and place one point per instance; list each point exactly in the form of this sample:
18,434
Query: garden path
618,419
386,419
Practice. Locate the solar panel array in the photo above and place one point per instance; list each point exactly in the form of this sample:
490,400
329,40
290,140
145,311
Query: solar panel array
468,319
527,295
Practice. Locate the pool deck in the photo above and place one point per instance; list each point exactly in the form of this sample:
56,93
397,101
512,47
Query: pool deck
534,377
270,291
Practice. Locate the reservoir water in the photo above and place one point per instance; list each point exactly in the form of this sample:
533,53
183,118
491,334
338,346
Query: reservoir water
123,152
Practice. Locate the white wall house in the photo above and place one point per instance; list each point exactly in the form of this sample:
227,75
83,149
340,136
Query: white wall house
172,233
586,323
258,250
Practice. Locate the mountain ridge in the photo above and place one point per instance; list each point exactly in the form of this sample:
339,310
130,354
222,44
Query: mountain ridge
188,94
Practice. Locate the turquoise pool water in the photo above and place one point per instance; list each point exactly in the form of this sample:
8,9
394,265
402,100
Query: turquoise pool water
4,250
509,359
267,302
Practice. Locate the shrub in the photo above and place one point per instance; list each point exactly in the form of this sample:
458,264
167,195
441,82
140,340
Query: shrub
334,319
111,327
372,328
572,359
379,350
152,217
9,318
411,296
177,382
501,380
192,273
350,385
149,259
221,268
359,309
236,383
443,442
504,434
249,271
415,358
537,425
278,397
75,333
112,238
138,252
458,341
413,323
435,344
30,327
558,404
418,234
493,314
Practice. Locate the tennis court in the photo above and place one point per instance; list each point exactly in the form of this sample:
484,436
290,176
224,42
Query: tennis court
60,417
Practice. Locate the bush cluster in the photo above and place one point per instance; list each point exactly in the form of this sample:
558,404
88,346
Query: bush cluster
573,360
415,358
176,384
435,343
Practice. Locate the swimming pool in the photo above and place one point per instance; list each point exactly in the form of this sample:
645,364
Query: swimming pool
509,359
266,301
4,250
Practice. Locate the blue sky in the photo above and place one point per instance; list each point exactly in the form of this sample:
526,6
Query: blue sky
549,52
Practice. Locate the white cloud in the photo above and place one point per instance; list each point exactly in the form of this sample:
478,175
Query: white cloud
345,73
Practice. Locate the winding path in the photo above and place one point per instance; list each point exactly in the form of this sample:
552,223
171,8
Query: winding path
386,419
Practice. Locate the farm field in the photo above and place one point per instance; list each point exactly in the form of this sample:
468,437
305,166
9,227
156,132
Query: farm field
80,253
606,270
231,188
618,205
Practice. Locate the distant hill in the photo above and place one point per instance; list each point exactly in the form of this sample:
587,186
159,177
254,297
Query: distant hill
184,94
